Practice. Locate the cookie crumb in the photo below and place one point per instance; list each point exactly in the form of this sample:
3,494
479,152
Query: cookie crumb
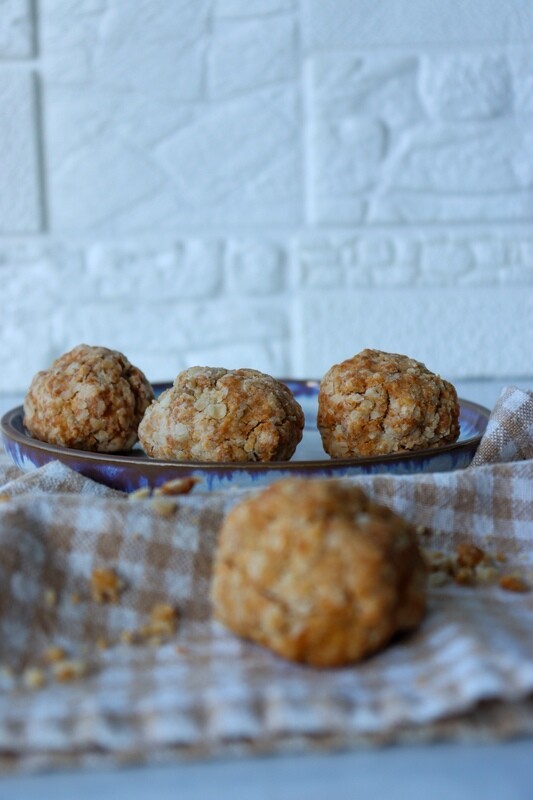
140,494
106,586
163,622
437,561
513,583
464,576
177,486
66,671
468,555
5,498
50,597
438,578
33,678
162,625
129,637
54,654
486,573
163,507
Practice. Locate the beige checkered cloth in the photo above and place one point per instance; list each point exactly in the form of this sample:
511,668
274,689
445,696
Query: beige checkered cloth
467,672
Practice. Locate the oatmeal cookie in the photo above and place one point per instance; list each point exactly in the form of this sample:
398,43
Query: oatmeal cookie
317,572
91,398
378,403
213,414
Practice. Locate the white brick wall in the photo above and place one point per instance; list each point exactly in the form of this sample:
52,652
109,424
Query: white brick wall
268,183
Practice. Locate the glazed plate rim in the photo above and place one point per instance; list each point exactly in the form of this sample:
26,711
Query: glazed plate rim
13,433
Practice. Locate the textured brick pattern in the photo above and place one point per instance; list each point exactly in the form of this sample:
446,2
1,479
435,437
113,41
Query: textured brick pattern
20,211
341,24
461,258
410,138
193,301
16,29
268,183
165,125
455,333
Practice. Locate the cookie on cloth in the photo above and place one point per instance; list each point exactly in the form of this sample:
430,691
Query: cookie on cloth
317,572
378,403
91,398
215,414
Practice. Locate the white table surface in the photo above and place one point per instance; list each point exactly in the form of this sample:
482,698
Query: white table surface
429,772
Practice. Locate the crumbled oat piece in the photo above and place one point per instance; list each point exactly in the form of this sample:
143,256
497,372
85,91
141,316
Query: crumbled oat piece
162,624
5,498
50,597
485,573
464,576
129,637
164,507
102,643
106,586
66,671
437,561
33,678
140,494
54,654
177,486
157,627
468,555
501,557
513,583
163,612
438,578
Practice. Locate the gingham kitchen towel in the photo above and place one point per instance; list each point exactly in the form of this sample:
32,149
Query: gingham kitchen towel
468,670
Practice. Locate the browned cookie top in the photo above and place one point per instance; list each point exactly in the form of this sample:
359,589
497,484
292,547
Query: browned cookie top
215,414
91,398
378,403
317,572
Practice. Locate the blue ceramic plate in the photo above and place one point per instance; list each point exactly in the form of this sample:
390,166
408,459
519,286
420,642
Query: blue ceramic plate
133,470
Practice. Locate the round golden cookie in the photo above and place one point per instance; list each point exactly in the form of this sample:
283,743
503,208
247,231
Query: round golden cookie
379,403
214,414
315,571
91,398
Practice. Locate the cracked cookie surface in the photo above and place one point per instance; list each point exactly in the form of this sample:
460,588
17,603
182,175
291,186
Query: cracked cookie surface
317,572
214,414
91,398
378,403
